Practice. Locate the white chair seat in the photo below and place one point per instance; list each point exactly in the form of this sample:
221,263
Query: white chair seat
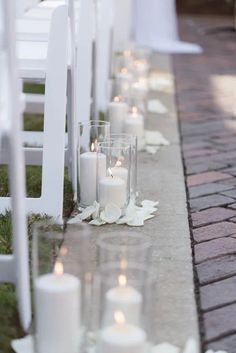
32,58
39,13
32,30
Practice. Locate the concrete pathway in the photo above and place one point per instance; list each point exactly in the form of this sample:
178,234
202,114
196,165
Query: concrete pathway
160,178
206,96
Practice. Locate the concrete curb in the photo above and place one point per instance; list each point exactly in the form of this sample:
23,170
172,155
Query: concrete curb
160,178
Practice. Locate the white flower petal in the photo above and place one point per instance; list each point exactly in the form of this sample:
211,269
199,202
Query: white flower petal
149,203
123,220
156,106
111,213
136,221
149,210
155,138
75,220
148,217
96,211
151,149
87,212
165,348
97,222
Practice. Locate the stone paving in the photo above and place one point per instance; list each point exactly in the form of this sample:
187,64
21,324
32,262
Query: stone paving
206,99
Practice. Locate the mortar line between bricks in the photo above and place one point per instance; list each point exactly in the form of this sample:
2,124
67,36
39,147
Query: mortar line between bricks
214,258
217,307
219,280
209,240
217,338
213,193
203,284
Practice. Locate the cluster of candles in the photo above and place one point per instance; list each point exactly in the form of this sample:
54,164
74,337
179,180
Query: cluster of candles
126,110
58,302
99,179
112,183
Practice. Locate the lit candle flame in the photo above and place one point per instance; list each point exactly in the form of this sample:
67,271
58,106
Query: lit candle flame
110,172
63,251
119,317
58,268
122,280
127,53
116,99
118,164
135,110
124,70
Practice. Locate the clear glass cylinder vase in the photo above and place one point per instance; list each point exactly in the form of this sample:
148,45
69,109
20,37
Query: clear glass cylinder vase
125,308
132,140
58,295
113,181
90,133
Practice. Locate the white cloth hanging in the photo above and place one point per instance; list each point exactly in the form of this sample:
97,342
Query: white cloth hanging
155,26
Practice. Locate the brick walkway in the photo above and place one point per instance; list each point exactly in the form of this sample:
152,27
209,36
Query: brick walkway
206,97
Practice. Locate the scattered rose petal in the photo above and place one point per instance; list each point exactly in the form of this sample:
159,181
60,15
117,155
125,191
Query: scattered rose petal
136,222
95,214
155,138
149,203
165,348
23,345
191,346
148,217
149,210
123,220
76,220
111,213
87,212
152,149
97,222
156,106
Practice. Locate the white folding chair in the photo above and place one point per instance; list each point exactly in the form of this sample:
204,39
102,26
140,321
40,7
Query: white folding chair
52,69
81,14
14,268
104,51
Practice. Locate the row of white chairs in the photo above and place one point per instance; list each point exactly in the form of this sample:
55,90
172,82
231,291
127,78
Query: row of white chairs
61,44
89,48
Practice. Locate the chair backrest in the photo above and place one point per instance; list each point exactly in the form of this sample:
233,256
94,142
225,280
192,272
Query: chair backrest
122,24
105,23
14,268
84,52
24,5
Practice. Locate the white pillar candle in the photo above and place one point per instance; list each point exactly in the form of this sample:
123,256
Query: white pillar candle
123,298
122,337
139,89
123,82
88,175
57,302
134,125
112,189
117,113
120,171
140,68
128,59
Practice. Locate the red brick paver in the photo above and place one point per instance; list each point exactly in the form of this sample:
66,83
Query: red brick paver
206,98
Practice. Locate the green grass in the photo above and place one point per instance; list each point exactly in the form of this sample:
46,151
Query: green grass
33,122
9,321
